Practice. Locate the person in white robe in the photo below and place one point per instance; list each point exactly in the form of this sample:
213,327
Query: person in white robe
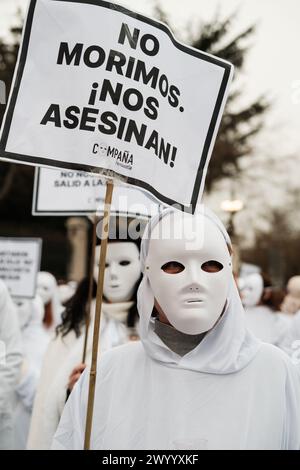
122,274
291,341
198,375
262,318
66,335
121,279
34,342
10,364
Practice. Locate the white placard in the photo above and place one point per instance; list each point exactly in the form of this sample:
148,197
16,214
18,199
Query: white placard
19,264
66,192
99,87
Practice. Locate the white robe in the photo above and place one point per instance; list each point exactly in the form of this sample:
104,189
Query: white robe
35,341
231,391
113,333
10,363
266,325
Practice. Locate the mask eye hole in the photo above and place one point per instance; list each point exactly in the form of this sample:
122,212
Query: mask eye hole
212,266
173,267
124,262
107,265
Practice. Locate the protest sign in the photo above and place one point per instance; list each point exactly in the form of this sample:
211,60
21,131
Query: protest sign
19,265
100,88
65,192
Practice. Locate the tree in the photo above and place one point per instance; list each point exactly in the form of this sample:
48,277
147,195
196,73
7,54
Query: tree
238,126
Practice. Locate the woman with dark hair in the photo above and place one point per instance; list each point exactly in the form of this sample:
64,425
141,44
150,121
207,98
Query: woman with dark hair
198,379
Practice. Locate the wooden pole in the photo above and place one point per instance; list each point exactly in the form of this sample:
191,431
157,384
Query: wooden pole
93,371
90,293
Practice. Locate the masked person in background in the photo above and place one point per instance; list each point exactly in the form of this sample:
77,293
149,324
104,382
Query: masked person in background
34,342
121,279
291,302
290,343
47,289
198,379
261,302
119,316
10,364
66,290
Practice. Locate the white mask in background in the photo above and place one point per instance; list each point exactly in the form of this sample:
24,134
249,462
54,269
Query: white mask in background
46,286
181,275
122,270
30,312
251,289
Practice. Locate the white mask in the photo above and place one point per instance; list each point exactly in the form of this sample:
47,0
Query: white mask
46,285
191,298
122,270
251,289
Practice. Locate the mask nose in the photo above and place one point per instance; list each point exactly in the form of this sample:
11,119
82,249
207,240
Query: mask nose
113,271
193,277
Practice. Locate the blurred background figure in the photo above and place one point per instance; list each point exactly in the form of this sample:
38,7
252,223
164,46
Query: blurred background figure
66,290
47,289
34,343
290,343
291,302
10,363
262,301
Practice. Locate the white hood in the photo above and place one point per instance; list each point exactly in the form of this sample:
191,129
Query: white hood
227,348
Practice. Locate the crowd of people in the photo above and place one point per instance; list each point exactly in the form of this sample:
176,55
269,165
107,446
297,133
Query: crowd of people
190,354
